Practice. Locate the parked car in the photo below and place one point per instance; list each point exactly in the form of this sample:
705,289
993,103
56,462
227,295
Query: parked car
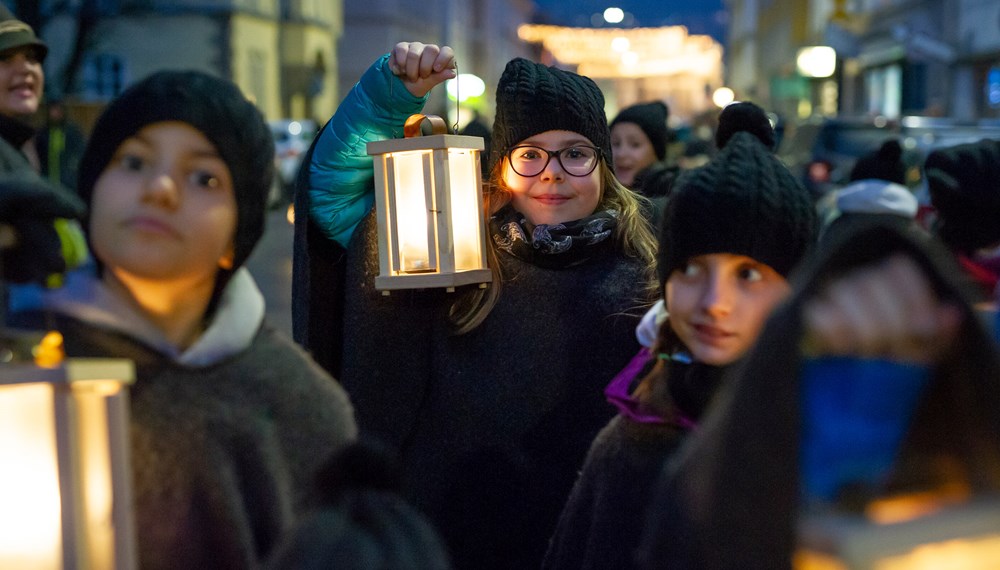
291,140
823,151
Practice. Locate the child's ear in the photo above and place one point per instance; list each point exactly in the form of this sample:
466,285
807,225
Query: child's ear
226,261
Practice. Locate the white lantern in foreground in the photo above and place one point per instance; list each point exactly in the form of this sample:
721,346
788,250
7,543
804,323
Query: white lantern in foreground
429,204
65,499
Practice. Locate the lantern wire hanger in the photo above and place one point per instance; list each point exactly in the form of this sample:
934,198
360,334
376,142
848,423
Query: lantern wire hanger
458,98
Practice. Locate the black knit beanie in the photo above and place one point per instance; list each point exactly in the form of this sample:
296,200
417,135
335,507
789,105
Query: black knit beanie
964,184
652,119
744,116
362,521
744,202
884,164
533,98
218,109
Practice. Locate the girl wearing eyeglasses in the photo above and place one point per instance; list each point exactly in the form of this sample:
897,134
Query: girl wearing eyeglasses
491,395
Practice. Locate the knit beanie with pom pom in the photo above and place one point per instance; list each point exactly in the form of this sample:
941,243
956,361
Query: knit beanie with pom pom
744,116
744,202
362,520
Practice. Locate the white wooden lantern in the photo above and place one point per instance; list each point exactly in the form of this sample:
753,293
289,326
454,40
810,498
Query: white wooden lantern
65,494
429,204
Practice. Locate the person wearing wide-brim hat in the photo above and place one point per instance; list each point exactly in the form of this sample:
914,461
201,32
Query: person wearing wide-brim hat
43,247
22,82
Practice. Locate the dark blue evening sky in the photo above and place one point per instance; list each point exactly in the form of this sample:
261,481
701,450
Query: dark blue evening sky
700,16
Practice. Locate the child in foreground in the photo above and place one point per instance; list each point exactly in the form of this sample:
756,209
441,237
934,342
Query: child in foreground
490,395
229,418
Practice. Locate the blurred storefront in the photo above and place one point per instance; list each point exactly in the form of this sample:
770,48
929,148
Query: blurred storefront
893,57
281,53
633,65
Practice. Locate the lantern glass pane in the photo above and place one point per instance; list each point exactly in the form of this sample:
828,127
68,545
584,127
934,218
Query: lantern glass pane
95,453
411,212
466,217
30,517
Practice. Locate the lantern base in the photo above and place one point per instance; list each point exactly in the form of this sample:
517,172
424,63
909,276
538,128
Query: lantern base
432,280
961,537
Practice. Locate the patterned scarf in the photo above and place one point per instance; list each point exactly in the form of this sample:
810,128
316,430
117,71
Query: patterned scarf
553,245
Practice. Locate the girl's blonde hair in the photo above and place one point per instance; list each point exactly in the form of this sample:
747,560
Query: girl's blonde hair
632,232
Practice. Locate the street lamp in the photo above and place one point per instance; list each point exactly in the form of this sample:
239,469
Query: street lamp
429,207
816,61
614,15
65,497
819,62
723,96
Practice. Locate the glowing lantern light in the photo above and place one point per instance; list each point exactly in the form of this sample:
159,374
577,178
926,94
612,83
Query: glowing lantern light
65,496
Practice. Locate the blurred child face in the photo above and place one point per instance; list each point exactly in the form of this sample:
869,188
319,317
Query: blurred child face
554,196
718,304
632,151
163,209
21,81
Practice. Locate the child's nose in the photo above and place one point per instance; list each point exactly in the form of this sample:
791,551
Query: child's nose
718,296
162,189
553,170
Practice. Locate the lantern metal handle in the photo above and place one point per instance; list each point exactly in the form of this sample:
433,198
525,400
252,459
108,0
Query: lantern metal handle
412,126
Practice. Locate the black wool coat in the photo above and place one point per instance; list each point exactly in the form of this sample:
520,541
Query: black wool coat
493,424
602,521
13,135
601,525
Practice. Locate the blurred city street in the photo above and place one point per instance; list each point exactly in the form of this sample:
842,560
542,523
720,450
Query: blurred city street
271,266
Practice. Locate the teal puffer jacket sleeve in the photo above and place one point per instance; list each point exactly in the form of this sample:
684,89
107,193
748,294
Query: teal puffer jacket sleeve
340,173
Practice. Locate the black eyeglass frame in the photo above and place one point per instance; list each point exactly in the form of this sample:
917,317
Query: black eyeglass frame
598,155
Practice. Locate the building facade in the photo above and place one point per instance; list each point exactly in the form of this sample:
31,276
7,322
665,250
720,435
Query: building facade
282,53
483,34
894,57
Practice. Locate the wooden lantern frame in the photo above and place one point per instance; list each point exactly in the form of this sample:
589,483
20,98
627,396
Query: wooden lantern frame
91,482
439,154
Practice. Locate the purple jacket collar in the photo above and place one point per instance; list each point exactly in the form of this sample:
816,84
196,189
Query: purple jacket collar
618,394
